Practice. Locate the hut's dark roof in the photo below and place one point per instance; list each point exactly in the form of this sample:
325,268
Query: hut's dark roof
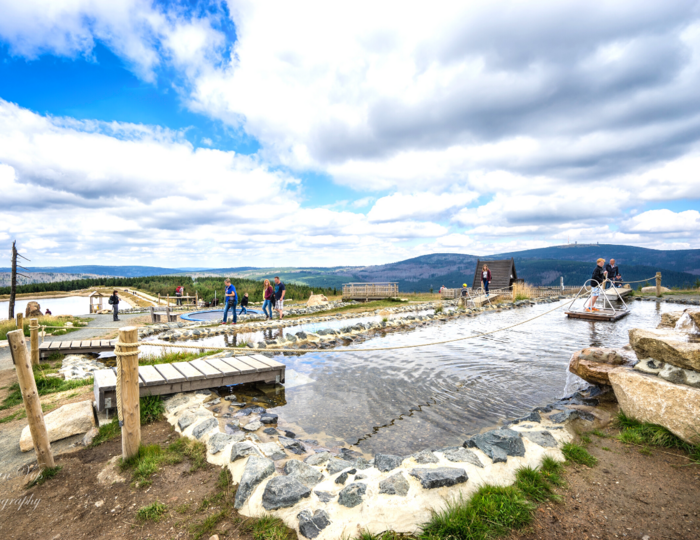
502,273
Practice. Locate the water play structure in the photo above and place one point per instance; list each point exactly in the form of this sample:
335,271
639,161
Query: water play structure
213,314
608,312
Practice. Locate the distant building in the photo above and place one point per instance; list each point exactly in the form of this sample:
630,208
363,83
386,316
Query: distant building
503,273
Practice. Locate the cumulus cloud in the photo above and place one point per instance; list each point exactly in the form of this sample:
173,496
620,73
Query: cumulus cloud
665,221
418,206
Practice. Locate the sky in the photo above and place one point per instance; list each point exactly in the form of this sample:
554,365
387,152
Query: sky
315,133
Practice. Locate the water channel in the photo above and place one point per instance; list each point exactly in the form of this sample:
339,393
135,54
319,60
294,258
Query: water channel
405,400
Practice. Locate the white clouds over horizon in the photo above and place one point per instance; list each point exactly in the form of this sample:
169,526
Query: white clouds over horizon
474,127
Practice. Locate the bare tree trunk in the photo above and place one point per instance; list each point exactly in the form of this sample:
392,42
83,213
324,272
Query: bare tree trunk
13,284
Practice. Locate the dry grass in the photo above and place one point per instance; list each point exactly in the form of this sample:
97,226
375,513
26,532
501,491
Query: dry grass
522,291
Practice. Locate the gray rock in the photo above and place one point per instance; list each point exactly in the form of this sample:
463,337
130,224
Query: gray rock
439,477
186,420
175,402
268,418
425,456
534,416
360,477
270,431
256,470
272,450
462,455
310,526
362,464
498,444
394,485
324,496
387,462
202,428
294,446
302,335
678,375
306,474
343,477
336,465
253,426
318,459
650,366
230,397
213,402
563,416
351,495
243,449
283,491
218,441
543,438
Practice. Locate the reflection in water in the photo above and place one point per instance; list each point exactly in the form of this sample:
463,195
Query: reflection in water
404,400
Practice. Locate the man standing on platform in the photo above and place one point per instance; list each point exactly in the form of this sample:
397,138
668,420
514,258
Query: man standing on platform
114,302
280,291
231,301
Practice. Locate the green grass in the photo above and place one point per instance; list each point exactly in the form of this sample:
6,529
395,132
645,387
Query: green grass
578,454
152,409
44,385
107,432
585,439
646,451
634,432
552,470
534,485
170,357
153,512
10,325
222,498
9,417
268,528
605,448
599,434
45,475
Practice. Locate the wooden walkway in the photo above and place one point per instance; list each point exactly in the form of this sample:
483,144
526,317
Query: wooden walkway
96,346
188,376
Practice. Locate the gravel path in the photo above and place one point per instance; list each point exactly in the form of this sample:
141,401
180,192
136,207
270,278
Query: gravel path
84,333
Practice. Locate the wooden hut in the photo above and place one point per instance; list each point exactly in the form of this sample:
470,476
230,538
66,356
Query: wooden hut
503,273
96,299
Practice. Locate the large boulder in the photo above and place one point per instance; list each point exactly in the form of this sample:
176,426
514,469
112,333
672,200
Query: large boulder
651,399
65,421
594,363
33,309
652,289
256,470
666,345
317,300
669,320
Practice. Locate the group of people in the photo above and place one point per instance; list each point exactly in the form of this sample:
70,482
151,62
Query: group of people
604,275
273,298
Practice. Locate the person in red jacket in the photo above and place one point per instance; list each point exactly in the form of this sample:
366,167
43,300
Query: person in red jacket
485,278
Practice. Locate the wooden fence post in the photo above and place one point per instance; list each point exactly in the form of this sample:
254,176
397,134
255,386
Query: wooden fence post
30,396
658,283
167,313
34,340
131,410
20,321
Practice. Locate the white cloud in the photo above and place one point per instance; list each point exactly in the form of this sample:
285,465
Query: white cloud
665,221
400,206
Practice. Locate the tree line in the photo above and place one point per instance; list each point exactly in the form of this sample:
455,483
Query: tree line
205,287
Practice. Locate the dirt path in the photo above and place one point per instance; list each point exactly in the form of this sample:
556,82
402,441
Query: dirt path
627,495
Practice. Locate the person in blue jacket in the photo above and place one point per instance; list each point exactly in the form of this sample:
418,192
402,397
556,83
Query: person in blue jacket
231,301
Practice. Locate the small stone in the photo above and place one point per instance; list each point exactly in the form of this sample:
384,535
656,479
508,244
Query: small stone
186,420
324,496
283,492
268,418
272,450
243,449
360,477
310,526
387,462
176,402
463,455
294,446
230,397
253,426
336,465
306,474
290,434
270,431
362,464
218,441
342,477
256,470
439,477
650,366
543,438
318,459
90,436
425,456
394,485
567,414
202,428
351,495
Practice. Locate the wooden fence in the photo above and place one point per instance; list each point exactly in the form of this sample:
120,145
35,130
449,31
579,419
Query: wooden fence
370,291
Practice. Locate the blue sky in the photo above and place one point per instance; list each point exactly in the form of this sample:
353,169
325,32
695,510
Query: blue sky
300,133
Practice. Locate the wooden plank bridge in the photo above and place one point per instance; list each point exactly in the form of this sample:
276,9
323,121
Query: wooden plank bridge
95,346
188,376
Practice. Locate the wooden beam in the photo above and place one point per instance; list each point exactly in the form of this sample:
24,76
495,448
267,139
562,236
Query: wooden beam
30,396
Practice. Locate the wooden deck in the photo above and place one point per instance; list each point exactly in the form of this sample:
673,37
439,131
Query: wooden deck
188,376
96,346
606,315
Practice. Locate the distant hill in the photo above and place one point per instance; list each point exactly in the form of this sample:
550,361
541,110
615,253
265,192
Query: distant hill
41,277
117,271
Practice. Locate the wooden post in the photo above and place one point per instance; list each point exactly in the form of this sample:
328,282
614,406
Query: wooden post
196,299
34,340
158,298
167,313
658,283
30,396
131,412
20,321
153,315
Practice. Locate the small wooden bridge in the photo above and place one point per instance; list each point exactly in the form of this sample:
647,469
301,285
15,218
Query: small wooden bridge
188,376
95,346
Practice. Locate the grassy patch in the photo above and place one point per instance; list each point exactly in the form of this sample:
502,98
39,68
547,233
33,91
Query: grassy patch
599,434
646,451
222,499
552,470
44,385
268,528
10,325
153,512
534,485
170,357
9,417
45,475
196,451
107,432
152,409
492,511
634,432
578,454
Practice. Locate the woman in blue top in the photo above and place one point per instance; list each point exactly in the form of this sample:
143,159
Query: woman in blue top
231,300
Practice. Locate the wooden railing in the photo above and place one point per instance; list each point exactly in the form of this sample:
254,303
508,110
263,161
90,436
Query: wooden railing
360,291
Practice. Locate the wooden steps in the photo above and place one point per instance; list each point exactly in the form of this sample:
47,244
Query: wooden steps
188,376
76,347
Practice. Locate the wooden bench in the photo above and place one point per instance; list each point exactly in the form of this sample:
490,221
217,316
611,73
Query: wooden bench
198,374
